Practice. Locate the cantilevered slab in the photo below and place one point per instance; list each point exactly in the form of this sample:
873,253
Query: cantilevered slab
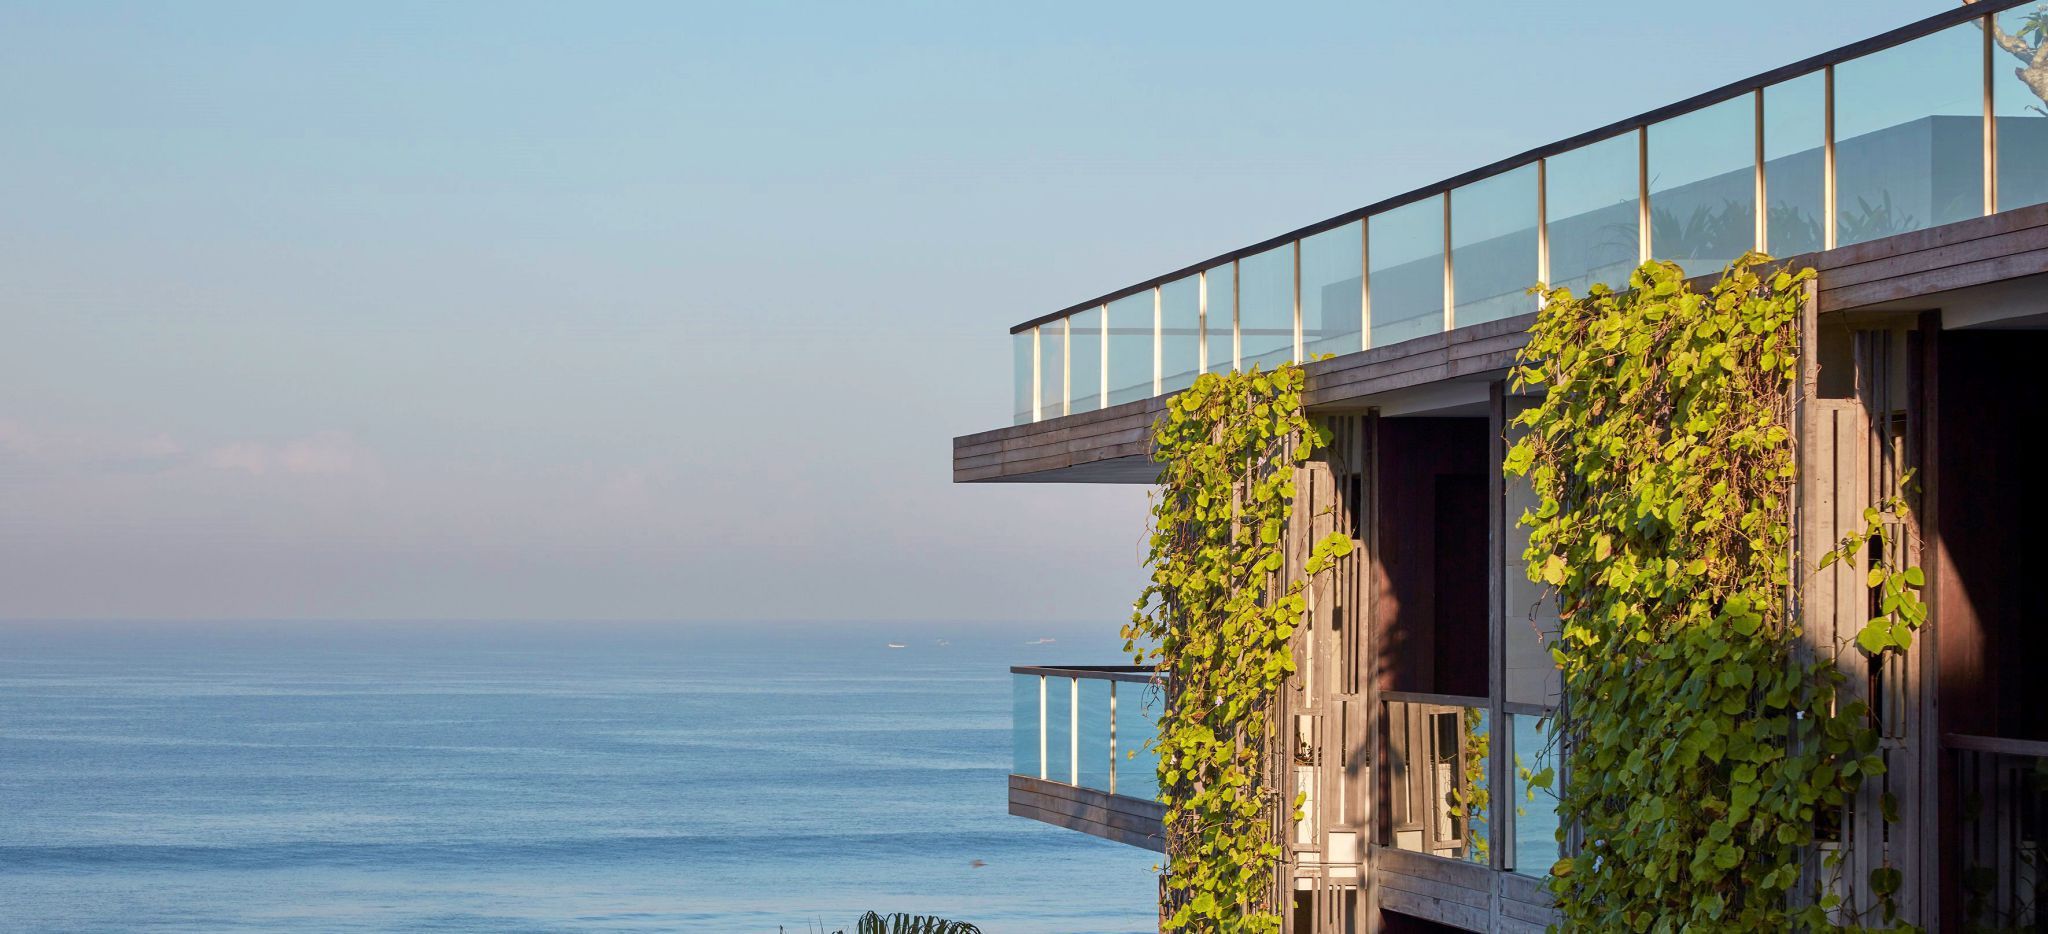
1134,821
1907,270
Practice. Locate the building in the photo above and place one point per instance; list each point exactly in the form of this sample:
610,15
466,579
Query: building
1911,170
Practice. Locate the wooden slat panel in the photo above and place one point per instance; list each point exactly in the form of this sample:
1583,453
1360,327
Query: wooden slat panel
1524,911
1933,281
1445,891
1433,909
1112,817
1142,841
1515,887
2023,240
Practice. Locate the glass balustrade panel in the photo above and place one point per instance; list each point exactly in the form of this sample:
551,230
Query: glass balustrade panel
1059,729
1022,370
1493,247
2019,93
1024,725
1180,333
1219,317
1052,369
1084,368
1265,307
1138,707
1094,735
1703,186
1130,348
1333,291
1909,136
1591,200
1795,155
1405,247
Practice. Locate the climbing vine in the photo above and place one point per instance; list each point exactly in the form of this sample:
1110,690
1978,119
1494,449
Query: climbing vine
1216,619
1703,746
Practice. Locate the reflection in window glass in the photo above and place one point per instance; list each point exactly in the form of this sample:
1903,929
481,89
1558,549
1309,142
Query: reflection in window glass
1406,250
1534,776
1493,247
1022,368
1795,164
1265,307
1909,136
1130,348
1024,725
1084,372
2002,837
1333,291
2022,108
1059,729
1052,369
1138,707
1094,710
1703,186
1437,758
1590,195
1219,317
1180,333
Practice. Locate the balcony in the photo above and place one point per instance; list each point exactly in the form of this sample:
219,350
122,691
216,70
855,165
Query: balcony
1920,127
1083,760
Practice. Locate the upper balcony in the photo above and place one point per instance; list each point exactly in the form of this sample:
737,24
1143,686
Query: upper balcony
1916,129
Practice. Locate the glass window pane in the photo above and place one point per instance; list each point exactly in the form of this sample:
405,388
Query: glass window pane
1130,348
1437,774
1265,307
1535,822
1220,317
1138,707
1021,371
1333,291
2003,830
1084,372
1094,732
1590,198
1795,164
1493,247
1024,725
1406,247
1909,136
2020,95
1180,334
1059,730
1052,369
1703,186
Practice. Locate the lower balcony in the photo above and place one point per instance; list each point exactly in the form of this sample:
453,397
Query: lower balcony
1083,760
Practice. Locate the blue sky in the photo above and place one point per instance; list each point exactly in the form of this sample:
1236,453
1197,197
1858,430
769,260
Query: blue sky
670,310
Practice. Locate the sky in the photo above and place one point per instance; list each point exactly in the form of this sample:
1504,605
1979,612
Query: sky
671,310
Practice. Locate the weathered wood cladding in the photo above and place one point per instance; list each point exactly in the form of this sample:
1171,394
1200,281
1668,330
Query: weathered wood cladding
1123,819
1112,446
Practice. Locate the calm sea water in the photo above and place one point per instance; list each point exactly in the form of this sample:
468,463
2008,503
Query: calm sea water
530,777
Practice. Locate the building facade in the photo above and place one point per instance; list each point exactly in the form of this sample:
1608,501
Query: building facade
1911,171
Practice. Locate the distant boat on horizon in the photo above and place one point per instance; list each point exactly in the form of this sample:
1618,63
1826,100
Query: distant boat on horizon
1048,640
898,645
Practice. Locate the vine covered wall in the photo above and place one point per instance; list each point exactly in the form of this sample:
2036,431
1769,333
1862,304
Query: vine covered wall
1704,748
1216,619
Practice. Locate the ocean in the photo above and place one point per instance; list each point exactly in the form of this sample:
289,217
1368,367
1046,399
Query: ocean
434,776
